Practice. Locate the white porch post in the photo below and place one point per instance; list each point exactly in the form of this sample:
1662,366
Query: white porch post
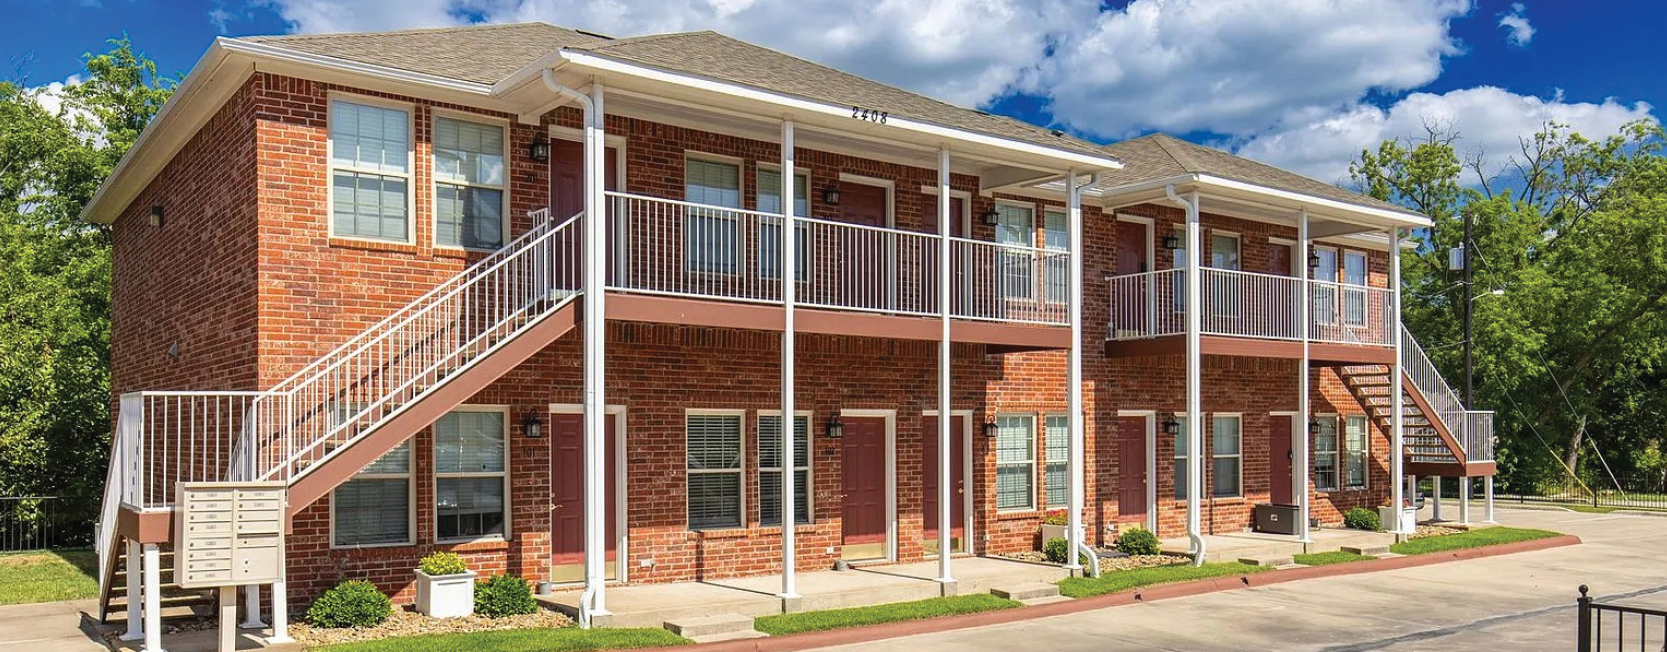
280,613
789,270
1435,496
135,619
1073,375
1397,402
1464,499
946,493
1299,433
1195,373
1487,499
595,266
153,598
251,607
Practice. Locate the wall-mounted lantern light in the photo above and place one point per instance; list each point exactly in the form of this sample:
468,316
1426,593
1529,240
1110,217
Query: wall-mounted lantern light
835,427
1171,425
991,429
539,151
1313,428
991,217
533,428
830,195
156,216
1172,242
1313,259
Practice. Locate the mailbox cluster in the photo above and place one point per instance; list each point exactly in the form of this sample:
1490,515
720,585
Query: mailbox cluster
229,533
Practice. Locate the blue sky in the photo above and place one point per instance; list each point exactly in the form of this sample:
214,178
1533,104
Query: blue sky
1299,83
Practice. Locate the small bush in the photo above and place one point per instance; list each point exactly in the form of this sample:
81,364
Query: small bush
504,595
1361,518
1057,550
1138,541
1056,517
443,563
350,603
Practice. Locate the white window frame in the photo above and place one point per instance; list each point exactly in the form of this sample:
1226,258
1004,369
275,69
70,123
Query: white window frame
1349,453
1025,259
1335,453
1327,291
716,213
410,175
740,471
1225,299
1049,462
1062,274
509,520
803,179
1238,458
1029,463
435,182
410,477
1178,261
809,468
1238,249
1348,287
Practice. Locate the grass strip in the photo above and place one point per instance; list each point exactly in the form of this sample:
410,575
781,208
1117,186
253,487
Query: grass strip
1116,581
48,576
1329,558
1491,536
564,639
816,621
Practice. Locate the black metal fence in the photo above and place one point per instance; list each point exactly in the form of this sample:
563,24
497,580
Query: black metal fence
1612,627
1635,492
42,523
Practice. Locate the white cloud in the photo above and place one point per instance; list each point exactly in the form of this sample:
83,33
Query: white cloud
1489,120
1515,22
51,96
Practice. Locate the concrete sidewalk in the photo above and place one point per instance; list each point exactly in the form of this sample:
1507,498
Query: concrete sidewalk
50,627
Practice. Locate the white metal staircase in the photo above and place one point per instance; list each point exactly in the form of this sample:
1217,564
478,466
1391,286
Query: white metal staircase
369,386
1438,430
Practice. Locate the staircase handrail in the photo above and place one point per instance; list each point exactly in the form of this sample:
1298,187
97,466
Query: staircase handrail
1418,368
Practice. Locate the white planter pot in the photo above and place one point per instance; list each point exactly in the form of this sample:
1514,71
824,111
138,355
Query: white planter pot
1409,519
446,596
1051,532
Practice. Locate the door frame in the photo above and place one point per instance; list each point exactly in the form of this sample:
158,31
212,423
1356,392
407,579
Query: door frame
966,478
1294,271
890,447
1151,251
617,142
965,216
1151,417
621,544
891,193
1298,438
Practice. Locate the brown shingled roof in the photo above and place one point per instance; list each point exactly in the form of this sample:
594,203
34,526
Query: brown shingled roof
484,54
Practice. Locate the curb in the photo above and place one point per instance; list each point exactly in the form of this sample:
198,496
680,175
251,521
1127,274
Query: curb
812,640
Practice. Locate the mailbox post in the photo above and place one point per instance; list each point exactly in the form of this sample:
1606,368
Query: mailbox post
229,534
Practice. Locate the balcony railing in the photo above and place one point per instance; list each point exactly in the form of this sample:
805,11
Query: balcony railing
1248,304
685,249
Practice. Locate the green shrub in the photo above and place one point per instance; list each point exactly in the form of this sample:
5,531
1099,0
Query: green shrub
1057,550
443,563
504,595
1138,541
350,603
1361,518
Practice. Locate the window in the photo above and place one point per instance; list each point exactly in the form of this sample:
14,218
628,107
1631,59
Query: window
469,478
1355,447
714,446
1016,226
711,238
1223,289
1325,455
769,201
1225,461
1056,269
1325,291
1015,461
370,172
1181,457
374,508
468,184
1224,251
769,469
1057,472
1178,261
1354,301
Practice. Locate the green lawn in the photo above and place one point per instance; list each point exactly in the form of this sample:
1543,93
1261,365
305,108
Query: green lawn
519,640
1472,539
1329,558
1115,581
48,576
815,621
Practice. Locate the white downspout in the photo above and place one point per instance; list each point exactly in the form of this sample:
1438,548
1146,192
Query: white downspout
1397,407
787,269
946,493
1300,464
1195,397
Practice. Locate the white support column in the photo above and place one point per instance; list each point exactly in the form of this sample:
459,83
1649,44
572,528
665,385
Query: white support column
595,266
789,274
251,608
1397,401
153,598
1299,432
946,492
280,614
135,577
1464,499
1195,380
226,619
1073,376
1487,499
1435,497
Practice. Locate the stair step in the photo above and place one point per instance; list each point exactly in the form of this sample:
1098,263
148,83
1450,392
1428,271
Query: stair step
1025,591
702,626
1269,561
1370,550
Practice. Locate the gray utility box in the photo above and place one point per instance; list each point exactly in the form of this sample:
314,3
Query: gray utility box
1277,519
229,533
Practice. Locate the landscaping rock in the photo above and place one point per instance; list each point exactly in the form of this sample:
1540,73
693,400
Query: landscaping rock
405,622
1434,531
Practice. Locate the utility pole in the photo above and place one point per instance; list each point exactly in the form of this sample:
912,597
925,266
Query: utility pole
1469,299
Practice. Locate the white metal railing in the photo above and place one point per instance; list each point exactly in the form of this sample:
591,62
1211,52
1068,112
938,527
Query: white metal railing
1250,304
680,248
1345,313
1473,429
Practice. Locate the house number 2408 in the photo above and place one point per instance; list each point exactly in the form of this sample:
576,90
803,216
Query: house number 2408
869,114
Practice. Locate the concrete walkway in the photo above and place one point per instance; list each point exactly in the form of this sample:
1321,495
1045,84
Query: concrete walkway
1514,602
49,627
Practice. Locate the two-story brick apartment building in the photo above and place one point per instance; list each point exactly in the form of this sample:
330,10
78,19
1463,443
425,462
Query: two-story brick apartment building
362,265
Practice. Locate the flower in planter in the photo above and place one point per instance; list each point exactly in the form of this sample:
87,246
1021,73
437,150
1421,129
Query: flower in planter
1056,517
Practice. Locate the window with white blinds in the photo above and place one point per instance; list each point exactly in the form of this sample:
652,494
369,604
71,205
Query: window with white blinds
769,469
711,238
1058,449
769,234
1325,454
714,470
370,171
470,458
1181,440
1015,462
1226,462
1016,225
1355,447
1056,237
468,184
374,508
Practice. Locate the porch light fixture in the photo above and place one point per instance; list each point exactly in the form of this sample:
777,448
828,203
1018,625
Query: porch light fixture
835,427
830,195
991,430
1171,426
991,217
533,428
1171,242
1314,428
1313,258
539,151
156,216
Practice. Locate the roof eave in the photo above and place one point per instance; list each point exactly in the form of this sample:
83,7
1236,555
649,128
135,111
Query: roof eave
1294,199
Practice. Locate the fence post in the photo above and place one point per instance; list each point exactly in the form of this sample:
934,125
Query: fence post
1583,621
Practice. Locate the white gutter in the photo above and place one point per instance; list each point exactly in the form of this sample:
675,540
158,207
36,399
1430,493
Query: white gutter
1194,374
1297,199
274,53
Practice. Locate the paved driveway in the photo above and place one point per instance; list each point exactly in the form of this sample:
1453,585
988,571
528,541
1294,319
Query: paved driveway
1514,602
48,627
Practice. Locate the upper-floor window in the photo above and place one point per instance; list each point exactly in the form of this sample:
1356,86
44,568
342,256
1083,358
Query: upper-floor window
711,238
1016,225
468,184
370,171
1057,268
1325,292
769,201
1354,301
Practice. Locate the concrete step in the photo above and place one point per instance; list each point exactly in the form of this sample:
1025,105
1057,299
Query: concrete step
729,636
1025,591
1272,561
703,626
1372,550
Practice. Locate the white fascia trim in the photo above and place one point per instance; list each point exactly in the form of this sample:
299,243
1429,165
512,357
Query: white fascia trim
1405,219
273,53
606,64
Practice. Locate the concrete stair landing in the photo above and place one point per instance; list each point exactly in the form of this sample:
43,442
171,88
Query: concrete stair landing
708,629
1276,549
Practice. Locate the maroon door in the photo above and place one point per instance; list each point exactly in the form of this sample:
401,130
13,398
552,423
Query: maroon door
958,288
1131,468
867,283
567,489
864,503
567,176
957,479
1131,259
1279,259
1279,459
